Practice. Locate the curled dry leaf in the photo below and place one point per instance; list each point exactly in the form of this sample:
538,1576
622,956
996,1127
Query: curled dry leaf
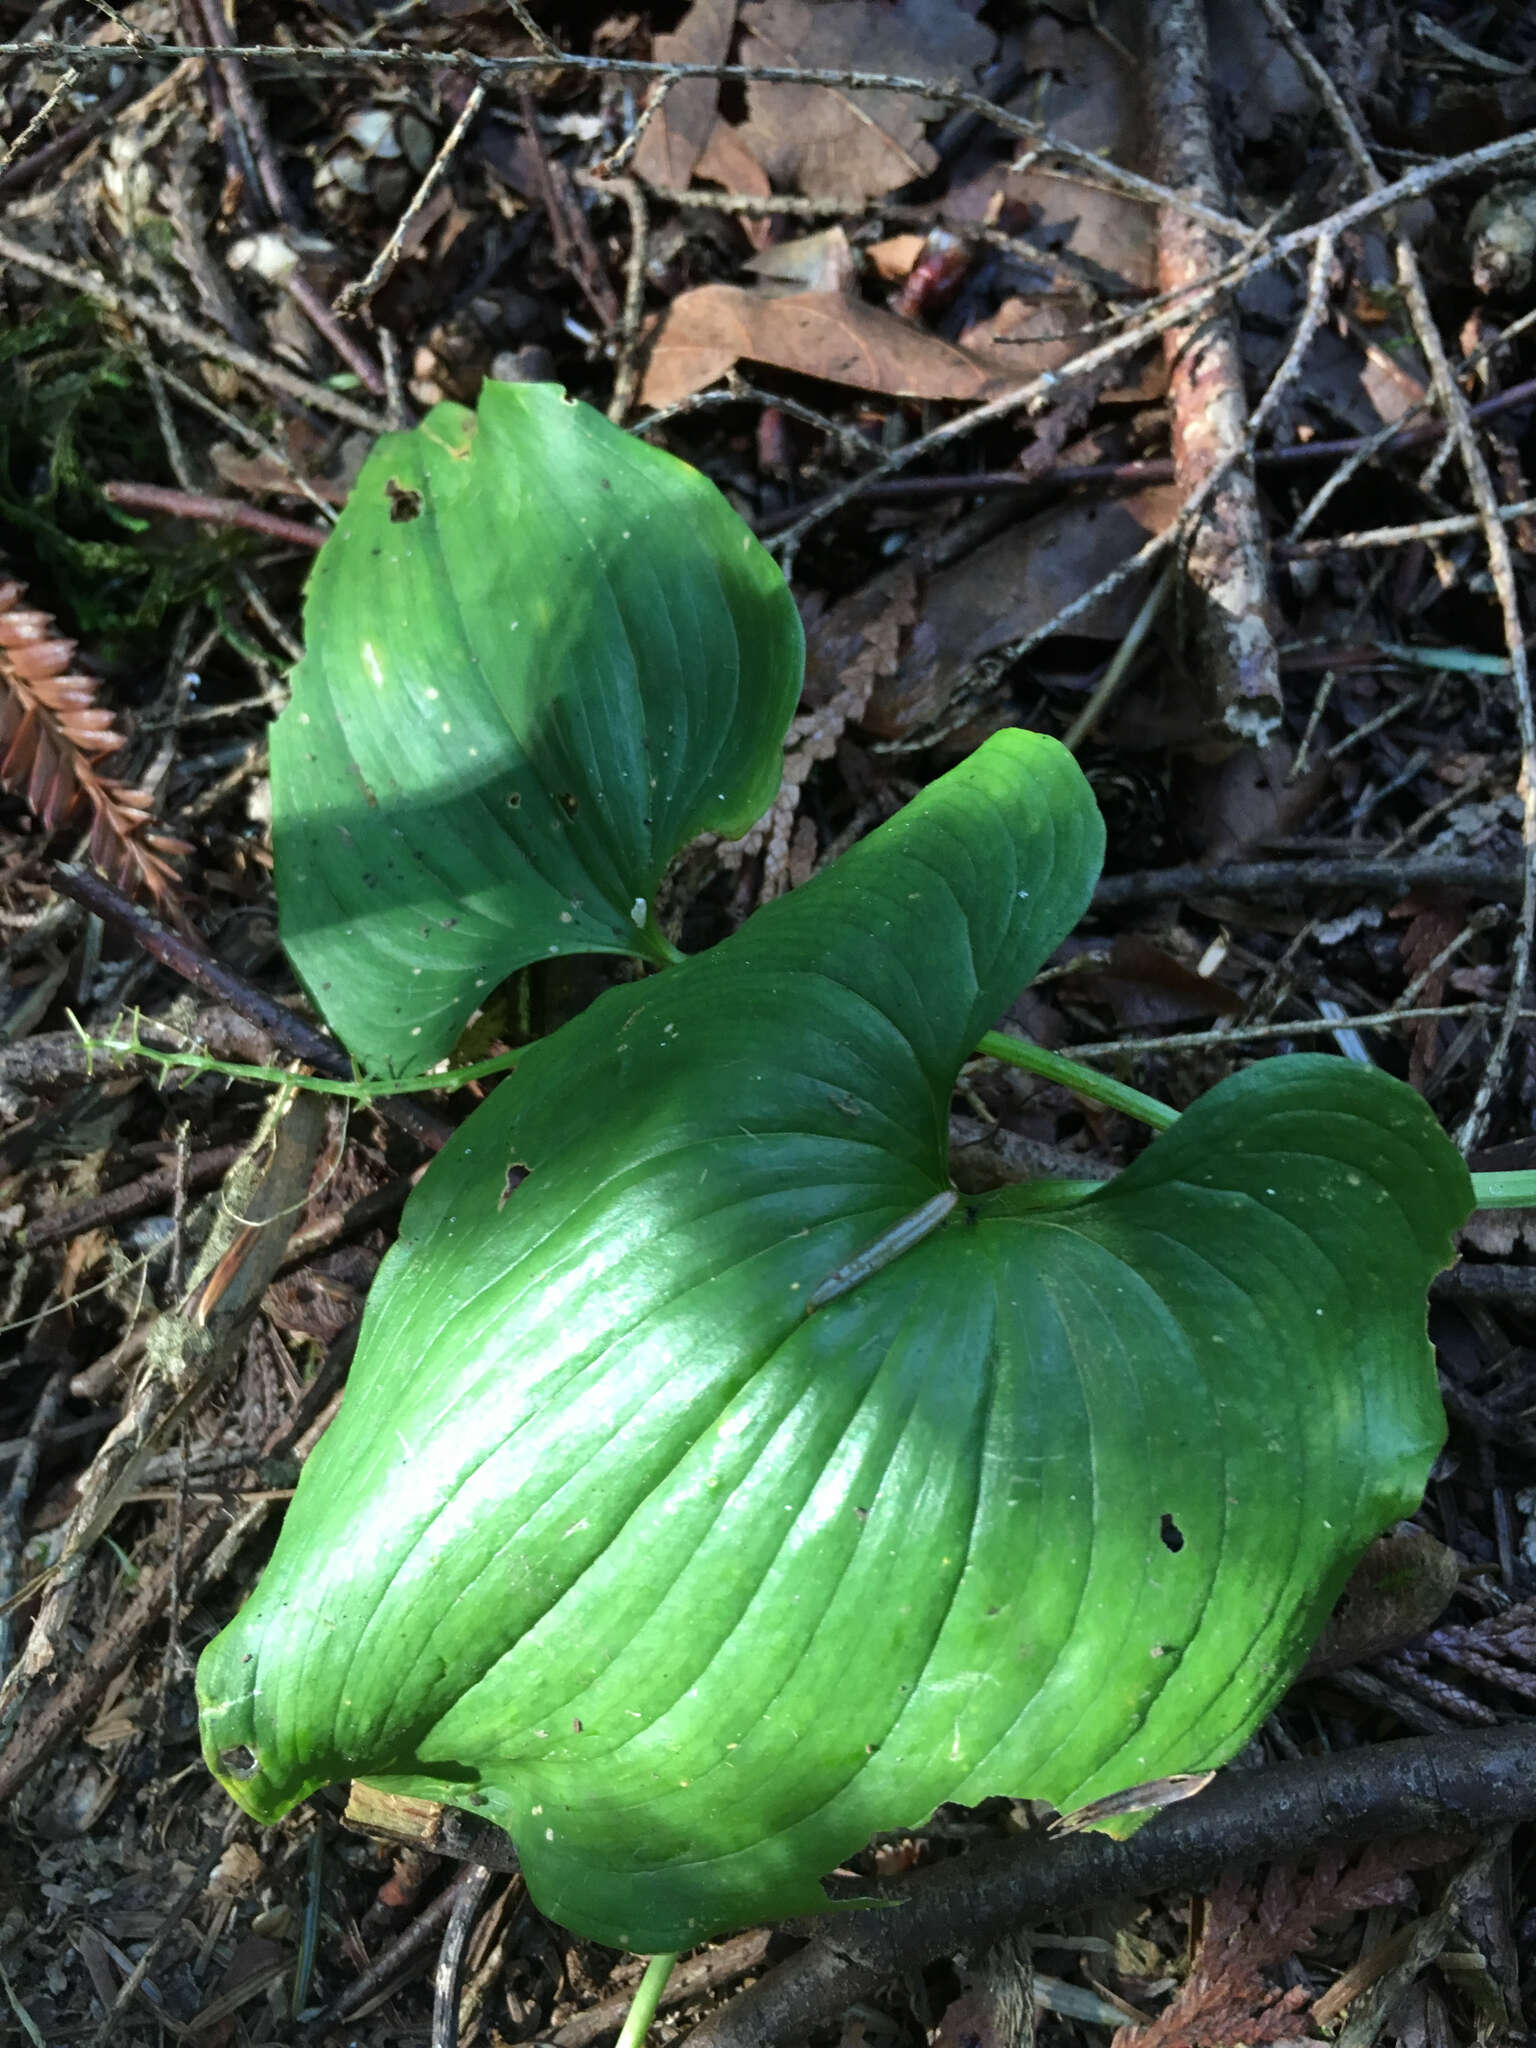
53,735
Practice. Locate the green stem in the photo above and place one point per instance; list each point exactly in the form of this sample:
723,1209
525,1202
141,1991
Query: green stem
646,2000
314,1084
1505,1190
1492,1190
1050,1066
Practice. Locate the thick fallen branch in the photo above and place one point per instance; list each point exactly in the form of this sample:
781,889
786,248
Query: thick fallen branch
1451,1784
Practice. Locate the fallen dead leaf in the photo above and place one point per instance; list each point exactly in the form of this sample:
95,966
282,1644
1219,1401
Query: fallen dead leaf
894,257
828,143
826,334
670,148
822,262
1083,89
1010,588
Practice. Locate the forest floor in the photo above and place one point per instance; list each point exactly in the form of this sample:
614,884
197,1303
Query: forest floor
1170,392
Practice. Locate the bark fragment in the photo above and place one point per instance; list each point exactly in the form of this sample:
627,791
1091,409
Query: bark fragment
1225,595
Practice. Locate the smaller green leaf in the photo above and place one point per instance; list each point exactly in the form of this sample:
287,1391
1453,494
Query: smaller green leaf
540,657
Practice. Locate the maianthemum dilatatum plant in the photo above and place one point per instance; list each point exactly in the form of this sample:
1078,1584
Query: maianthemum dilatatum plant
732,1489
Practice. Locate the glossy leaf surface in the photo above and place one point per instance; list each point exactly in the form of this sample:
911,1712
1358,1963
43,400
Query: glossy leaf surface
693,1590
540,657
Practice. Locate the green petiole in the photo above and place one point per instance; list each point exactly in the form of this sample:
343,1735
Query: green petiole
1050,1066
647,1997
1493,1190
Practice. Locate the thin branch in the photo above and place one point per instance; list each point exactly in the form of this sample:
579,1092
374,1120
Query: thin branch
189,959
1284,880
1115,176
135,497
171,326
1448,1784
358,293
1297,1027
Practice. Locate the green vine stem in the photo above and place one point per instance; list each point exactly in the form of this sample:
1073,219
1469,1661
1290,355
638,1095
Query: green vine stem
647,1998
1493,1190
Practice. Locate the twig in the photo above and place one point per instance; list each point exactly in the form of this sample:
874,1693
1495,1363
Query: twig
393,1962
1453,405
1448,1784
620,158
1400,536
1155,469
271,376
1284,880
1121,662
24,171
202,1170
1413,184
68,80
324,321
175,1913
243,103
1502,568
627,336
361,290
1112,175
711,1971
530,28
14,1505
111,1649
1068,277
214,511
1223,554
450,1957
195,965
575,250
1299,1027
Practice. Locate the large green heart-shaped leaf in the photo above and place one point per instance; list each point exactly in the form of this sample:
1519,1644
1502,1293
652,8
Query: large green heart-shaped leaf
540,657
694,1590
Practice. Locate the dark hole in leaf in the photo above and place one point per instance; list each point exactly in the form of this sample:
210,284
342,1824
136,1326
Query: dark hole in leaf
403,503
514,799
569,805
1172,1534
240,1762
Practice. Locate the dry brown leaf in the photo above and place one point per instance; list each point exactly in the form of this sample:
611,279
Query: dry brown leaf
1012,587
1085,92
729,163
1396,1593
894,257
822,334
823,262
836,144
670,148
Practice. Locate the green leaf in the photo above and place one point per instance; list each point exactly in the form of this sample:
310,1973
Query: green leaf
694,1590
540,657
